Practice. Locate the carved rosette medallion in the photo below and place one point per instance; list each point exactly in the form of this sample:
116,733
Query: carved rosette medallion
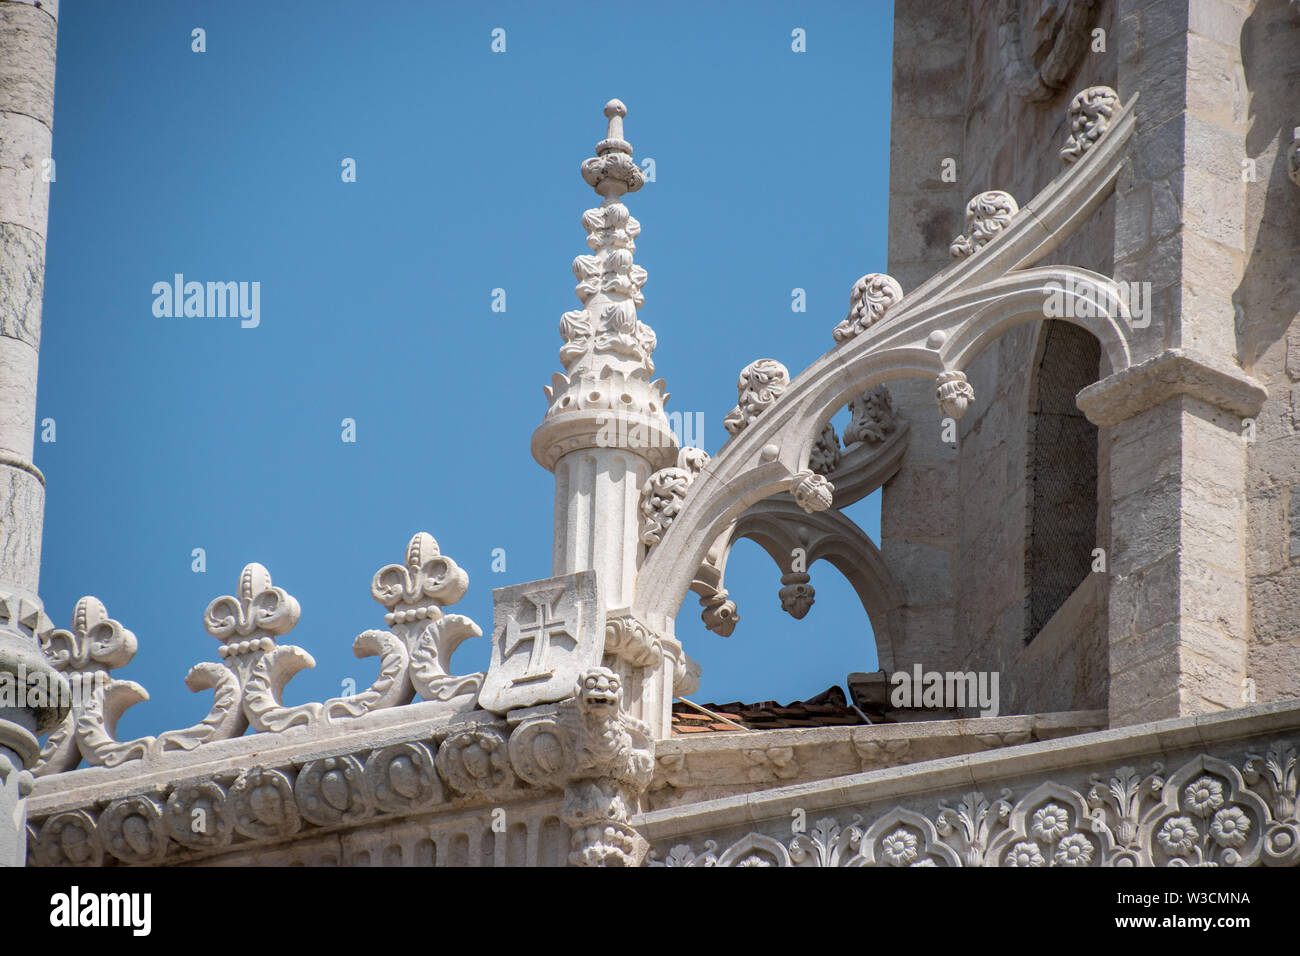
132,829
197,815
475,762
263,804
333,790
402,778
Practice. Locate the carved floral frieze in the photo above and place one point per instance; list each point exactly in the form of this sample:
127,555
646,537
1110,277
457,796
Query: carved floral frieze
1209,812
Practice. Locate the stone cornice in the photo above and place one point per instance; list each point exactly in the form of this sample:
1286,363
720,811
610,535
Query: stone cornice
1172,373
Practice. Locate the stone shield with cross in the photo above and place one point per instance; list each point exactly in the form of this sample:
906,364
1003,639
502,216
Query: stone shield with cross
545,634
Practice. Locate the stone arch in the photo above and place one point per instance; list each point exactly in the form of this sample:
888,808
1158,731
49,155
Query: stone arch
778,526
759,462
938,327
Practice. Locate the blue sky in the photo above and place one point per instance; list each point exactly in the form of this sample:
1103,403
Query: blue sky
181,433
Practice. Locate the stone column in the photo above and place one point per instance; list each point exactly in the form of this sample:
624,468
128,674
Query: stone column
1178,606
27,44
1185,414
606,432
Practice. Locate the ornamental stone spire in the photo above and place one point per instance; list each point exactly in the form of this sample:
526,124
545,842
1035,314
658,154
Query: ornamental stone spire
605,430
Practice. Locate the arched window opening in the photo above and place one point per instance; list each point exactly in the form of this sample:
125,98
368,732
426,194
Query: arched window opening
1061,487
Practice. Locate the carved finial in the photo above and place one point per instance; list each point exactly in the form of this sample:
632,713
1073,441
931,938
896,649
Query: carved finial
611,172
614,112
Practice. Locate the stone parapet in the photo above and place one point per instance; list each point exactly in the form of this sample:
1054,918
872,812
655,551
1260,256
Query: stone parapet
1211,790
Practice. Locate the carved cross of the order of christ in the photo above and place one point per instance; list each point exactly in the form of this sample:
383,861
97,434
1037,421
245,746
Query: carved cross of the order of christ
539,633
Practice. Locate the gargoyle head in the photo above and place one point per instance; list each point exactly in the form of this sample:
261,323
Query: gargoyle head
599,692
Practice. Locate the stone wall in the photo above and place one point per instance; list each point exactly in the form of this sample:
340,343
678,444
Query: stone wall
953,523
1267,297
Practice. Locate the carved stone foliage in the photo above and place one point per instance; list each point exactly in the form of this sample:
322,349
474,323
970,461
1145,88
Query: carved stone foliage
1090,113
760,384
664,492
609,323
953,393
872,417
609,282
611,171
870,299
1208,813
1041,44
630,640
812,492
825,455
602,756
249,682
986,215
545,634
87,654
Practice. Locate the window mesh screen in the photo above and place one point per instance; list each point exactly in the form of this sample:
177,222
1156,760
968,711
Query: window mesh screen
1062,480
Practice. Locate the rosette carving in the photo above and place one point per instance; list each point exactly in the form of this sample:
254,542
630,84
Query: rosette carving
197,815
263,805
68,839
903,838
402,778
132,829
333,790
475,762
1207,817
1208,813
